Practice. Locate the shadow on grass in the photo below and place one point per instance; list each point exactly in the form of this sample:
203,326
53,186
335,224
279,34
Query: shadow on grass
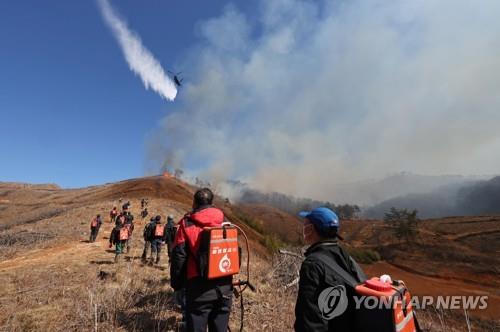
144,317
146,321
163,296
133,258
102,262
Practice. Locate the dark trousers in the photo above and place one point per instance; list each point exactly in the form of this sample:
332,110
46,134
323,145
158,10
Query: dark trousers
93,233
155,250
129,242
120,247
213,314
147,246
169,248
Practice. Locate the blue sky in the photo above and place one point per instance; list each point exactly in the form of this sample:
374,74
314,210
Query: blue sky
72,112
297,96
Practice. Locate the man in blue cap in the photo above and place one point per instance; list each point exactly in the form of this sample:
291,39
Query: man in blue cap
325,298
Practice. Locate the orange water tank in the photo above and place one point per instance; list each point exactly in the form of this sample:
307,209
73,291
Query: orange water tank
223,252
393,312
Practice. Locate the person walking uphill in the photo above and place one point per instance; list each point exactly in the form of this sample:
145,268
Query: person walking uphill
120,219
113,214
208,302
95,224
129,224
157,239
146,234
319,272
170,231
119,236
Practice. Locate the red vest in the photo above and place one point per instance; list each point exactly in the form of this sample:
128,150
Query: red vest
190,230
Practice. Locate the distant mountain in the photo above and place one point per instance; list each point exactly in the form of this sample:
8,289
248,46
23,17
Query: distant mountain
467,198
482,197
372,192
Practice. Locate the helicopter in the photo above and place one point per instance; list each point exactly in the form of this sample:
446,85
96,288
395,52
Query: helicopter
176,78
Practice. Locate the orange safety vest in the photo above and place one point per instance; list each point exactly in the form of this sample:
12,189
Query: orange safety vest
159,230
123,234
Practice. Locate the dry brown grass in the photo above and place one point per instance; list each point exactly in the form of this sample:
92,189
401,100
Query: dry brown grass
52,280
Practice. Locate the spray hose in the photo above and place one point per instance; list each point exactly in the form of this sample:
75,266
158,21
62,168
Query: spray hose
244,283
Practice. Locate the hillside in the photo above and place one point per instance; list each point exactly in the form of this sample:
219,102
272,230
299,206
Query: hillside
50,276
51,279
467,198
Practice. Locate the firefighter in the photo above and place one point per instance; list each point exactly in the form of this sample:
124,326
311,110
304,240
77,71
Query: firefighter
113,214
126,206
120,219
95,224
170,231
208,302
146,234
119,236
144,213
157,236
129,224
320,232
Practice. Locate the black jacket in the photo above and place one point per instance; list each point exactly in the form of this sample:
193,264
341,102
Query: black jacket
148,229
315,276
170,231
114,237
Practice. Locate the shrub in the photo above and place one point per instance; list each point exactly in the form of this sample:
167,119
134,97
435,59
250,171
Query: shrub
365,256
272,242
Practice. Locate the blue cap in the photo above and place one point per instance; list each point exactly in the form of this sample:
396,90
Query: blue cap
322,218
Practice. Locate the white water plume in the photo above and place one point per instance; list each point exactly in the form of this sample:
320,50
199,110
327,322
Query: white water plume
139,58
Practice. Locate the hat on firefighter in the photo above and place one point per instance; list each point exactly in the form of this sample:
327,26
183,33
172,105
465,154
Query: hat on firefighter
323,219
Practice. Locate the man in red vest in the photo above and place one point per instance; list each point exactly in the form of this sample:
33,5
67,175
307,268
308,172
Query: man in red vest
208,302
95,224
157,238
119,237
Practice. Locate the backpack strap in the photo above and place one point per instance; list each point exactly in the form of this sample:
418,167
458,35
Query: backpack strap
348,278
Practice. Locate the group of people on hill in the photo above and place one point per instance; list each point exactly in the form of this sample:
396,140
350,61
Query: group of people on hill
144,208
121,235
156,234
206,303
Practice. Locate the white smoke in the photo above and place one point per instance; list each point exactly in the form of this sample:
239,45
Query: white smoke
313,94
139,59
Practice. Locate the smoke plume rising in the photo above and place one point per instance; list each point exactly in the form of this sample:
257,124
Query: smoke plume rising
139,58
316,94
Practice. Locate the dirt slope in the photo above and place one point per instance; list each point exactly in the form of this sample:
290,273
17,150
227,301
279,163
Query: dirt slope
49,273
51,279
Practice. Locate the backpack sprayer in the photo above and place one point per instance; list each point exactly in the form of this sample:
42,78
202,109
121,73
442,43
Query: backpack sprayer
220,248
